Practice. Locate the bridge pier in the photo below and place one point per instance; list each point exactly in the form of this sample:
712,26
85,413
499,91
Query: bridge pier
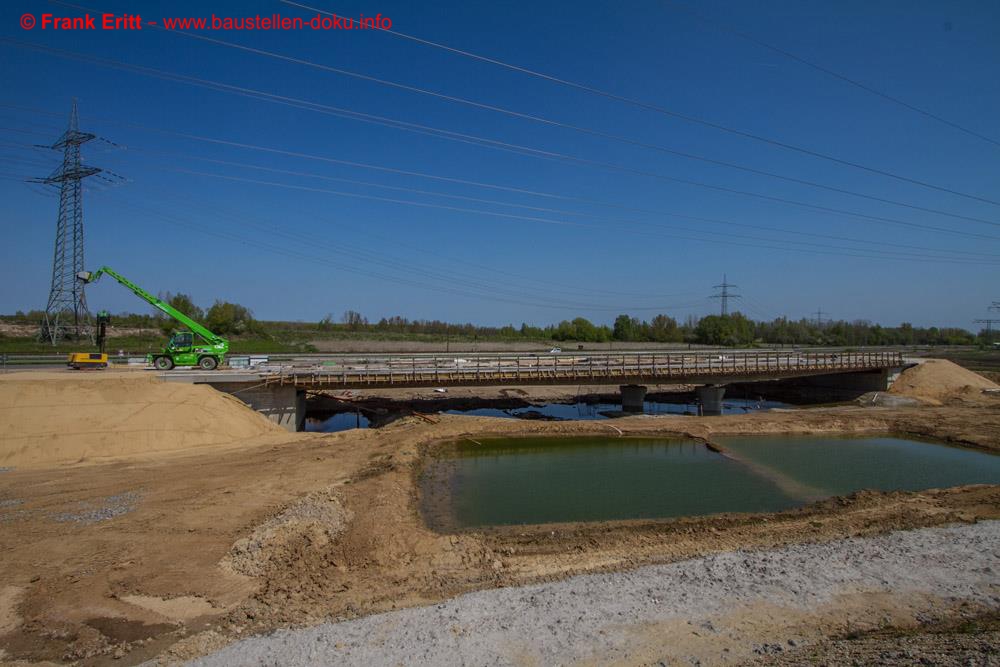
710,398
633,396
284,405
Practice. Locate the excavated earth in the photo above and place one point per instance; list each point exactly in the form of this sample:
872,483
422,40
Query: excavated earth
173,554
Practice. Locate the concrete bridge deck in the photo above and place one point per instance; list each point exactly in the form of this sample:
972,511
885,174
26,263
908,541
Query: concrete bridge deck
279,391
620,368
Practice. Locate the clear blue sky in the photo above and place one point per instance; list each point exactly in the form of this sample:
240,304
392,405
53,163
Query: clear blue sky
301,253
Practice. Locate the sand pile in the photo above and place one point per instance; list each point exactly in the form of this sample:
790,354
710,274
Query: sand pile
937,380
62,418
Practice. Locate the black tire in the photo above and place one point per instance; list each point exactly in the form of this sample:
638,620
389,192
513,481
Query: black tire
163,363
208,363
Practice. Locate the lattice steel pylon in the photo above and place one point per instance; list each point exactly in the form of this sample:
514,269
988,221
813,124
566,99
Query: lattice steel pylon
66,314
724,295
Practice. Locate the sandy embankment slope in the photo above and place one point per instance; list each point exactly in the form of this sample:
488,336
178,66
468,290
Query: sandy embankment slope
60,418
935,381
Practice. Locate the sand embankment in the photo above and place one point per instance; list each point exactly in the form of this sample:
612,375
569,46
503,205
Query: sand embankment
937,380
58,418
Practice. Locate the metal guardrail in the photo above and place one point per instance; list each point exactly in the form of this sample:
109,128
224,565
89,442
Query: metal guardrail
562,368
12,360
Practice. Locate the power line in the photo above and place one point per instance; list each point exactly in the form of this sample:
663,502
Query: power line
550,221
712,221
565,82
820,320
723,27
457,291
326,109
382,258
866,242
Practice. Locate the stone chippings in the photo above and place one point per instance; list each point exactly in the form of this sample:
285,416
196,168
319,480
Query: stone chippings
591,617
108,508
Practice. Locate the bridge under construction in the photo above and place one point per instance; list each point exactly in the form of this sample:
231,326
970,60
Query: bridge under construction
278,391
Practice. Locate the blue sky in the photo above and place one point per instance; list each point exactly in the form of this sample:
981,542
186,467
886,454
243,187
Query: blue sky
296,238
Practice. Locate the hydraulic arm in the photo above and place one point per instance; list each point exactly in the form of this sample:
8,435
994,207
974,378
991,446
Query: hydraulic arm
182,349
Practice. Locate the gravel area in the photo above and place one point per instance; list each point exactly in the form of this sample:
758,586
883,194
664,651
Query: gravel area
603,618
108,508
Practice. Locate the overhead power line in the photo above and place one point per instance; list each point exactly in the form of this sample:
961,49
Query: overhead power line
763,244
530,282
451,287
578,86
724,27
326,109
865,242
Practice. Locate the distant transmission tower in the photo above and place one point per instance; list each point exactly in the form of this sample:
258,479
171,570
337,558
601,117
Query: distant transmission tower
819,317
724,294
66,314
989,327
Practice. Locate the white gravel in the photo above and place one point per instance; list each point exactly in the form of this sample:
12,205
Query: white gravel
595,617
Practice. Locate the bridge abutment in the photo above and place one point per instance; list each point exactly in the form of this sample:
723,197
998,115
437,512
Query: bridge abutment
829,388
283,404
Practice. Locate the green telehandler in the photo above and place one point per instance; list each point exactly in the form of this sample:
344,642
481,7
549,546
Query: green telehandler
182,349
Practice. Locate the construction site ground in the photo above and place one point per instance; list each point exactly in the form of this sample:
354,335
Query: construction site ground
142,520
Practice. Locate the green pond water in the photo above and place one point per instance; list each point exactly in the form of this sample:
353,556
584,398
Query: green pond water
544,480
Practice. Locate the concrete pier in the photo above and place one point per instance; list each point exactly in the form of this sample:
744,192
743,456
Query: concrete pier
633,396
710,397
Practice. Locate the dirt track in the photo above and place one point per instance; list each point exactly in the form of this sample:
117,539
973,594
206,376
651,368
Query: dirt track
175,555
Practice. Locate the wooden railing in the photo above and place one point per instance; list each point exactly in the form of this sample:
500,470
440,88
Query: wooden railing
565,368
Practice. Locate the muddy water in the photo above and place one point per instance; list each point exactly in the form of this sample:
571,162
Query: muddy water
837,466
544,480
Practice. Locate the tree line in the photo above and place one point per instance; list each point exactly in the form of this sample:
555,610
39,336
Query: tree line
232,319
732,330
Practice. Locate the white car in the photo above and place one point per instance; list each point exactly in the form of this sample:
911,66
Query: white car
555,350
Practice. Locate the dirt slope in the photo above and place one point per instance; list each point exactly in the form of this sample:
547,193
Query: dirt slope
937,380
177,555
81,417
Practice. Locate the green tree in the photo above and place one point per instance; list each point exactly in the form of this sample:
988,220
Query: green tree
664,329
626,328
181,302
231,319
730,330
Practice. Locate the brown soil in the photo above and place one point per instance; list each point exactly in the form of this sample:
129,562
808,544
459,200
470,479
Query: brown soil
938,380
175,553
970,640
72,417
